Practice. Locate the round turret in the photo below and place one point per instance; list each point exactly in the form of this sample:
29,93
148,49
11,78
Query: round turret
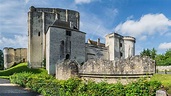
129,43
129,38
8,57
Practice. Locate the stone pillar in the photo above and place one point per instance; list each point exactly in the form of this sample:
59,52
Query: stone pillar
66,69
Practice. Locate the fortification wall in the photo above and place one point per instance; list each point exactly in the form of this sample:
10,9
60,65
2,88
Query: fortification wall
20,55
9,57
93,52
125,70
13,56
163,68
132,65
66,69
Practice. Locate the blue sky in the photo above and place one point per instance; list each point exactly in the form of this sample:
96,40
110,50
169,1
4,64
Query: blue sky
149,21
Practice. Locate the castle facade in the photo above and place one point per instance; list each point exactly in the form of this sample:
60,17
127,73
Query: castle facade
54,35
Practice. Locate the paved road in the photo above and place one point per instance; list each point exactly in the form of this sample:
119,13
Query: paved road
7,89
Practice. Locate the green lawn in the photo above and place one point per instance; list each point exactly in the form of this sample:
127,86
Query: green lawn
19,68
165,79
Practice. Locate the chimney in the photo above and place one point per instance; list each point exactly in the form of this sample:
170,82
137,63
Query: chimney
98,41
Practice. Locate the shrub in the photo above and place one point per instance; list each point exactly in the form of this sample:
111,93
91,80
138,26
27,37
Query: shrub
142,87
20,78
49,86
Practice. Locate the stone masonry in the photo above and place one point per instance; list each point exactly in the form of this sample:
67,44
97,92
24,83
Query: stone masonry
14,56
106,70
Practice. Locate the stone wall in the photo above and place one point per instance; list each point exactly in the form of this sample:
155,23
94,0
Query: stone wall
14,56
163,68
125,70
132,65
66,69
94,52
60,46
39,20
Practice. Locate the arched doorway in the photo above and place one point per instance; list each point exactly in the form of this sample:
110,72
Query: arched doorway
67,56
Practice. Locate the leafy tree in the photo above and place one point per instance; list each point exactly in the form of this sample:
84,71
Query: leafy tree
153,53
147,52
164,59
1,59
168,53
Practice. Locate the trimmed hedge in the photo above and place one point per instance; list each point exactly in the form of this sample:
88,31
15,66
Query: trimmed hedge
49,86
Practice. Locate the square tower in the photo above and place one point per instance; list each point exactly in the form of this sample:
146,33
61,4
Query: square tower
39,19
63,43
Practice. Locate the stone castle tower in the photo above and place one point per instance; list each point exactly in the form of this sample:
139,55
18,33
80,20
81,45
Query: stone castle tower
14,56
39,20
120,46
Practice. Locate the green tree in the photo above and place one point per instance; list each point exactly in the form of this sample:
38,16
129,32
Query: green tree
147,52
1,59
164,59
153,53
168,54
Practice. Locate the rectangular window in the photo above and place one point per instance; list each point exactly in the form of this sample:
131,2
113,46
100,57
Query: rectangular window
120,44
68,33
121,54
38,33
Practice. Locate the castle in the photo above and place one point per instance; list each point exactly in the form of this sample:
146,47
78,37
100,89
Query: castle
54,35
55,39
14,56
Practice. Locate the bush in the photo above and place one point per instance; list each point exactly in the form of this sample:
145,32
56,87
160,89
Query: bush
142,87
20,78
49,86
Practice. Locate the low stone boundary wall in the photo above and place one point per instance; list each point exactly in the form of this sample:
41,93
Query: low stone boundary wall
123,70
132,65
163,68
113,78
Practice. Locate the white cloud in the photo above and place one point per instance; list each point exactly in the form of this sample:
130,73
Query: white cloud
165,45
83,1
19,41
148,24
14,17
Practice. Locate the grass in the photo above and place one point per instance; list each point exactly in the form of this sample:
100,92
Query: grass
165,79
22,67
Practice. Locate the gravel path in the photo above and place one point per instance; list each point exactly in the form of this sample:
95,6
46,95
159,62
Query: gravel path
8,89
